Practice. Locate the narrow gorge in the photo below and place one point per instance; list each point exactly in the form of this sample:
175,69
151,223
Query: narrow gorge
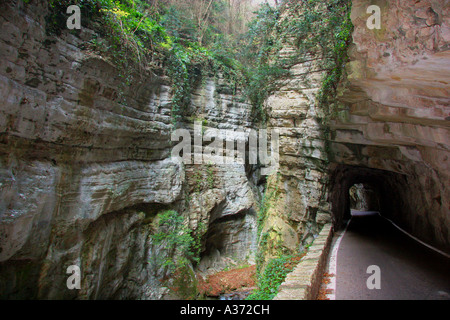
87,173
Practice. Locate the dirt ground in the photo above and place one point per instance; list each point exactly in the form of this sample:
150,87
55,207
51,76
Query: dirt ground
227,281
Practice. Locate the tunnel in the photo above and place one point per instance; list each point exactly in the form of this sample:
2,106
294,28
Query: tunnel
364,197
398,197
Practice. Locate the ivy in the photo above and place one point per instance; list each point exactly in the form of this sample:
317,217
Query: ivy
260,69
137,36
314,28
175,237
274,274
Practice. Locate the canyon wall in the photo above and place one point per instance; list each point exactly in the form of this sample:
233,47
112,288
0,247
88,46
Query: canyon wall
86,167
298,208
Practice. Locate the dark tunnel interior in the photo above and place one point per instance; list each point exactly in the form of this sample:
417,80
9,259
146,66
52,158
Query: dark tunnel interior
398,197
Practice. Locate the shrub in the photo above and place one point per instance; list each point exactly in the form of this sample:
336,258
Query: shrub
273,276
177,239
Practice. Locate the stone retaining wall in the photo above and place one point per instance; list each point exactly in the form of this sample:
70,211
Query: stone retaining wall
304,282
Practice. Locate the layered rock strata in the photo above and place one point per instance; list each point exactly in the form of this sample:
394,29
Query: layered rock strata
86,167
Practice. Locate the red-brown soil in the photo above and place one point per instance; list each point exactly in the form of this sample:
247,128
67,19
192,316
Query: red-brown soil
227,281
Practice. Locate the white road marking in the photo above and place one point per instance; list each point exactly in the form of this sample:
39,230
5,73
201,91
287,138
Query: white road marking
417,239
333,265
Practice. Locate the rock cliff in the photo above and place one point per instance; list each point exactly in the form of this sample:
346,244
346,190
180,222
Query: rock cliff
388,130
84,174
393,127
86,166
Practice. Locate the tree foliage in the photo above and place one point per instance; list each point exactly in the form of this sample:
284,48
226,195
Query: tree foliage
138,35
176,237
323,27
273,276
194,38
261,69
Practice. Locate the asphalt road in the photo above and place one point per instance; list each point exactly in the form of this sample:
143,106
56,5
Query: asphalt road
408,270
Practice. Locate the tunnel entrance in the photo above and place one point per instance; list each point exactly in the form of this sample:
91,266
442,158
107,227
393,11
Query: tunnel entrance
361,189
402,198
367,189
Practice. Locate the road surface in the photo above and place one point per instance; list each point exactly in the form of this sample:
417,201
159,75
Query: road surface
408,270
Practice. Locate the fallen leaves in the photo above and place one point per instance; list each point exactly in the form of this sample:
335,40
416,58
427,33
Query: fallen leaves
324,291
227,281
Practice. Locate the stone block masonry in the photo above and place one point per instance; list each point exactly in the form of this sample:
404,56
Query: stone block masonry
303,283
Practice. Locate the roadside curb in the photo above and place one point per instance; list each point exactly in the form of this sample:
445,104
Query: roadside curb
304,282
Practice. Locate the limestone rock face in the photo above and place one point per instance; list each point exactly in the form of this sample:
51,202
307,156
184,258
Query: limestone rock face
397,110
85,168
391,132
222,198
299,209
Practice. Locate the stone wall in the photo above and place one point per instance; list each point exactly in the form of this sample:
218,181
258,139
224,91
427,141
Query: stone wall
304,282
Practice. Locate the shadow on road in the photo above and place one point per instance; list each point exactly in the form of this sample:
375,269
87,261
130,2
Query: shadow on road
409,270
